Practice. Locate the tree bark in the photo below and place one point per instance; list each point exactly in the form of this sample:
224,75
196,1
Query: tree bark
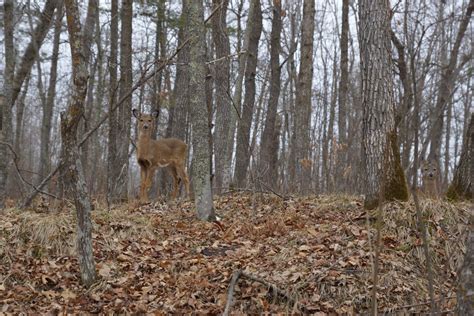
113,173
6,98
120,184
465,292
181,95
382,168
45,161
462,186
343,97
197,71
270,136
300,162
222,84
243,131
72,168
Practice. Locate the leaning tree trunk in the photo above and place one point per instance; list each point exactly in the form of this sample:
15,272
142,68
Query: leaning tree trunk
300,162
383,169
268,150
462,186
72,172
201,156
243,132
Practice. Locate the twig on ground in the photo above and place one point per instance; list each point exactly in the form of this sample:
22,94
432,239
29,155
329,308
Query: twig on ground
230,293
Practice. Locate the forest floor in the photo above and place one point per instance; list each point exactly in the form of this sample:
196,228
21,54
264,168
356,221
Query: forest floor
158,258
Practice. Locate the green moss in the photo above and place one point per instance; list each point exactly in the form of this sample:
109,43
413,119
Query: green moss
395,184
455,193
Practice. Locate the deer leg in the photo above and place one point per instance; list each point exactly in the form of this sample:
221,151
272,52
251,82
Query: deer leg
184,177
143,179
174,173
149,179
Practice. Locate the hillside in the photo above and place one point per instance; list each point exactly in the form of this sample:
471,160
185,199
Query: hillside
159,258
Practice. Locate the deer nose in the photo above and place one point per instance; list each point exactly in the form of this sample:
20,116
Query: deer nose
145,126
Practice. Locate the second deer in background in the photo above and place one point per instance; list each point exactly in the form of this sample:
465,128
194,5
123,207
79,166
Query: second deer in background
153,154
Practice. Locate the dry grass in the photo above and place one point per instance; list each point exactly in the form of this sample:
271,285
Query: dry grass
316,248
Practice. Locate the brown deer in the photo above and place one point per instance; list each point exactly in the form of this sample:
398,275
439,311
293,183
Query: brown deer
429,175
153,154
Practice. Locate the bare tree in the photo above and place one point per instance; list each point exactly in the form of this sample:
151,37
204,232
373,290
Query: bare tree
300,164
446,86
271,131
113,173
45,161
254,25
73,175
201,156
222,84
462,186
382,168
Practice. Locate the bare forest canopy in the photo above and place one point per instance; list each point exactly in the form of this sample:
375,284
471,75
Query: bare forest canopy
242,123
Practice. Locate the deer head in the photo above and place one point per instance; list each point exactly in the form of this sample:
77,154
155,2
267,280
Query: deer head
145,121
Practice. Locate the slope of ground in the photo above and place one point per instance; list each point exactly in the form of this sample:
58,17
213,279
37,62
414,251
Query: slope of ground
159,258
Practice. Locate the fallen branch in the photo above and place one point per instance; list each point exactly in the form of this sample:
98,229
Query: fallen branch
276,291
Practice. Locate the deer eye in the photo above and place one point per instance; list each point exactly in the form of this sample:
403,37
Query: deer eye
141,120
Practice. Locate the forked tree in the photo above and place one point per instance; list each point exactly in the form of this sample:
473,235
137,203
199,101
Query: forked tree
384,176
72,173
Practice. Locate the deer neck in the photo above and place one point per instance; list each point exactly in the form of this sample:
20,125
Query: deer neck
144,141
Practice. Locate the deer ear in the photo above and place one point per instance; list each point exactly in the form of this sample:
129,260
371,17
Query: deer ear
136,113
155,113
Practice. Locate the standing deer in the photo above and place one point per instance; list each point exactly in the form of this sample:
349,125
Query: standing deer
429,174
153,154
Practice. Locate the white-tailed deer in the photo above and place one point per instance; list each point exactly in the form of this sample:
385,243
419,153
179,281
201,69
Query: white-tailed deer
429,175
153,154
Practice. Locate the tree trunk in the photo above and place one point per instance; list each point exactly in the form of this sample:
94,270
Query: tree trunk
465,293
124,110
462,186
300,162
72,172
382,168
6,98
222,84
268,150
201,156
181,89
45,151
113,173
243,131
343,96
